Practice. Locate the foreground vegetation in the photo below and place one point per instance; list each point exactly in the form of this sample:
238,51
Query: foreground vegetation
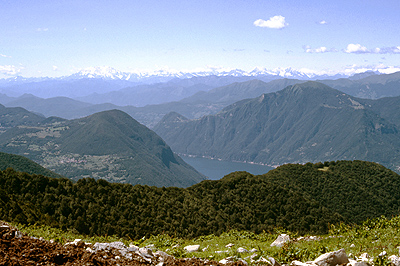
304,199
372,237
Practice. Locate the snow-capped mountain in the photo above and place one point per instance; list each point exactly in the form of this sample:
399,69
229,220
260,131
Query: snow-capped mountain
165,75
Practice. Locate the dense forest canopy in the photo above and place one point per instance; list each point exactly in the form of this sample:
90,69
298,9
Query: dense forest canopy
301,198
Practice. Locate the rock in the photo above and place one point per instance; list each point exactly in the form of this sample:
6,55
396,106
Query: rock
227,260
366,258
298,263
242,250
273,261
146,252
281,239
395,260
332,258
162,255
383,253
352,246
229,245
192,248
253,250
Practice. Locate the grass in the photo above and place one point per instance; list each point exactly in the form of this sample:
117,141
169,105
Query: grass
372,237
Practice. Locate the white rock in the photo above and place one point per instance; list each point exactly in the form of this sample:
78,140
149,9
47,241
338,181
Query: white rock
242,250
357,263
243,261
224,261
281,239
192,248
352,246
146,252
253,250
273,261
229,245
383,253
364,257
395,260
332,258
298,263
162,256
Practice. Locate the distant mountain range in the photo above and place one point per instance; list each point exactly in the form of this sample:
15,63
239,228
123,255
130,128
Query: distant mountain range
308,122
109,145
204,95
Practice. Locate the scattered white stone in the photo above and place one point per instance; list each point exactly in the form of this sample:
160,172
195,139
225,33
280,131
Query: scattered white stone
352,246
242,250
76,241
281,239
383,253
146,252
273,261
192,248
332,258
243,261
204,249
221,251
253,250
17,234
364,257
133,248
298,263
224,261
395,260
229,245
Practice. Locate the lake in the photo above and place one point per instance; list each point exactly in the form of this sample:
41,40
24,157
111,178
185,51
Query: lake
215,169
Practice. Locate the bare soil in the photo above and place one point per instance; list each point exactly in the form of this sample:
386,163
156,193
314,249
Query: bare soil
19,249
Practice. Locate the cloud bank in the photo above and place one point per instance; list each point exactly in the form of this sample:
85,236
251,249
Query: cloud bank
359,49
276,22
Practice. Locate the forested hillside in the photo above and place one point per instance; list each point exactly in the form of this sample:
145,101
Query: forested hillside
306,122
22,164
300,198
109,145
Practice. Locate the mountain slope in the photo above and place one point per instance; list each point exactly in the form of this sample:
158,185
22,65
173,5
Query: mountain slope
17,116
370,87
109,145
22,164
304,122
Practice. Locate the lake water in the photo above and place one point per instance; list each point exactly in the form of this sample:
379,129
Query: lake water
215,169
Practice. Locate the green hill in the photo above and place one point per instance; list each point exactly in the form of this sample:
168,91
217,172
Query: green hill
17,116
109,145
22,164
306,122
300,198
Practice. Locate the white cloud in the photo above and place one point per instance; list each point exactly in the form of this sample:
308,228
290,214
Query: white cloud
3,55
359,49
356,49
276,22
55,68
9,70
42,29
321,49
323,22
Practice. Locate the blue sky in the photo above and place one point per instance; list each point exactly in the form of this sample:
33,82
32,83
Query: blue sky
56,38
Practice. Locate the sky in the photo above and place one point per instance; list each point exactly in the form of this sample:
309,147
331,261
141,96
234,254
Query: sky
58,38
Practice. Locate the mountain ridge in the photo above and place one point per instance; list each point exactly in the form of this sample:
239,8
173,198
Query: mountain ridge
109,145
303,122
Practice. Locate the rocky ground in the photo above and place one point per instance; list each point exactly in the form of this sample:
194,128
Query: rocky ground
19,249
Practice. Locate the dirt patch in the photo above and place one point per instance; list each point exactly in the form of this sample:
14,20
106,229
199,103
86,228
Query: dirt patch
19,249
